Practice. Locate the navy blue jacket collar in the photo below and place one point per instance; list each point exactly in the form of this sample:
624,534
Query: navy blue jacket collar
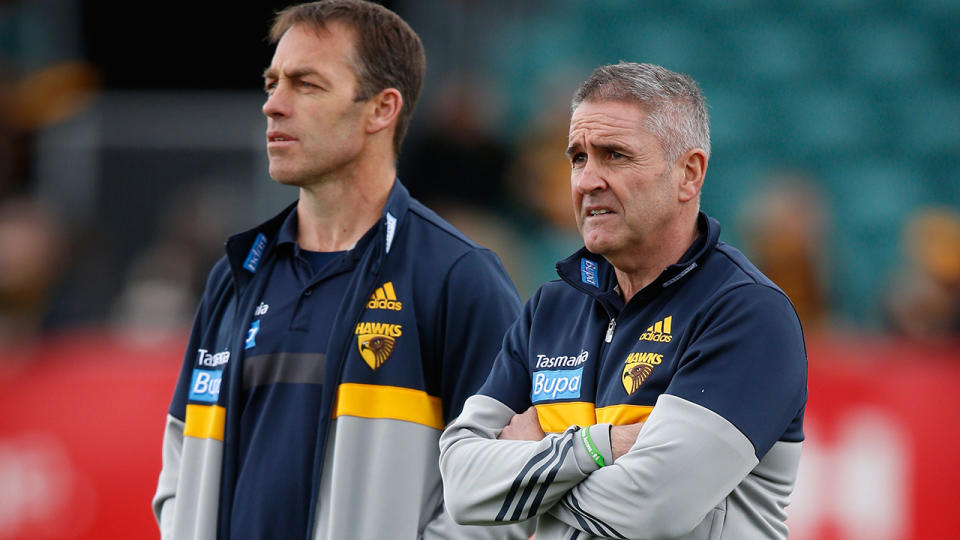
594,275
246,250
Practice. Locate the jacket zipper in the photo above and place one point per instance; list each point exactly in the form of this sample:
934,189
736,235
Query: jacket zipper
610,329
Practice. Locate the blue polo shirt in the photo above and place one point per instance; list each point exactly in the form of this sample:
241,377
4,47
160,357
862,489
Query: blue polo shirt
283,368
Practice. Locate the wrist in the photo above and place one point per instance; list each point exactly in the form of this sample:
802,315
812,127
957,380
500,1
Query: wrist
592,448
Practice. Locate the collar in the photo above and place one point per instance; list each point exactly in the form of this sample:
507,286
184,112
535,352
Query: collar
247,250
594,275
287,235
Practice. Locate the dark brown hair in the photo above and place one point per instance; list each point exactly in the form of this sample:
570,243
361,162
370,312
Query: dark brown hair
388,53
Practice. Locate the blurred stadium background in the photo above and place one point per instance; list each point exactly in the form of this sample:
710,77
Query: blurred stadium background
131,146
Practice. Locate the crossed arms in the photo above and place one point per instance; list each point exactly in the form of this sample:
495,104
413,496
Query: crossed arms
685,460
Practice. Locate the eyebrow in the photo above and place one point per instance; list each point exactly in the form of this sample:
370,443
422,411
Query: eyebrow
607,146
271,73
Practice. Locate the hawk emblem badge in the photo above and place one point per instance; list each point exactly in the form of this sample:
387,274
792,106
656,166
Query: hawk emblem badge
375,349
376,340
637,368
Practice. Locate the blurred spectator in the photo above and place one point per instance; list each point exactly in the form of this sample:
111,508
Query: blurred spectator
156,302
458,163
31,247
198,219
924,298
459,157
543,208
31,103
165,280
784,229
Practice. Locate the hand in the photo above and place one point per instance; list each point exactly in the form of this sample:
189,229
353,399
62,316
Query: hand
623,437
523,427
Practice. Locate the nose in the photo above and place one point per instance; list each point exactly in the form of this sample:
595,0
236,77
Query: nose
277,104
589,179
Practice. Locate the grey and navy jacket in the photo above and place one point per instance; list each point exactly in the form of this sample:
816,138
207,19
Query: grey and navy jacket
375,474
710,356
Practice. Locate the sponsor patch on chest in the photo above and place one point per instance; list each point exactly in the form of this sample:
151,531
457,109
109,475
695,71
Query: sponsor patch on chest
205,385
552,385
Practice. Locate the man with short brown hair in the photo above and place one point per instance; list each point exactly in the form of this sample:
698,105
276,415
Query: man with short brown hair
335,341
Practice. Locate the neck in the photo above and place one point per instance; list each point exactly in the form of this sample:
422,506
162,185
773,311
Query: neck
647,263
334,213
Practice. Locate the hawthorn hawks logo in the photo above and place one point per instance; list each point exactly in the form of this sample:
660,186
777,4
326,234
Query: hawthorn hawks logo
376,341
638,367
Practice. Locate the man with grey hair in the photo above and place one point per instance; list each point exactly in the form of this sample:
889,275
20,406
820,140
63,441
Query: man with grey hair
657,389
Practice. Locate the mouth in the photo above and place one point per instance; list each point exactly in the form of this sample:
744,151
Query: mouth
278,138
596,212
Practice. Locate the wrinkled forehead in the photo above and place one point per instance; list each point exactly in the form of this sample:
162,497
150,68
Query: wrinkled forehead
606,118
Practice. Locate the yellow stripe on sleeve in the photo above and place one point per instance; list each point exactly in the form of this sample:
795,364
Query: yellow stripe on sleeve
556,417
393,402
204,421
619,415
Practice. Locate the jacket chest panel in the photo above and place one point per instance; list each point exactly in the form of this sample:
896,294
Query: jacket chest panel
385,345
581,379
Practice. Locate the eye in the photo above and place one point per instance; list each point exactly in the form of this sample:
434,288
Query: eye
616,155
578,160
269,86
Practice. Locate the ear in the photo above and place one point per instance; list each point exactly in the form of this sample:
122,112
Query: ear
385,108
694,164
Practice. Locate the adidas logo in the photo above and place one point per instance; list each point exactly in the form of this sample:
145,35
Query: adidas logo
385,298
660,331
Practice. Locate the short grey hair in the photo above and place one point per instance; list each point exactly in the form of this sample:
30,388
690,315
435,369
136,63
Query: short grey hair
675,106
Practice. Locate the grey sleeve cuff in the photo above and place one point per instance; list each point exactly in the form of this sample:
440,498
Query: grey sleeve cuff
600,435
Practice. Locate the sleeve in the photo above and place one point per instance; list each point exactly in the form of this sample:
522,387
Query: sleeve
738,389
489,481
163,499
685,461
165,495
443,527
480,304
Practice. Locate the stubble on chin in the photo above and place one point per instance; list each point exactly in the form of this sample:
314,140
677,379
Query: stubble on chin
282,175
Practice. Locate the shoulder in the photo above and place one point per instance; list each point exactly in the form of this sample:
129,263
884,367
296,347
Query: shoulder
728,288
732,270
219,280
433,245
430,226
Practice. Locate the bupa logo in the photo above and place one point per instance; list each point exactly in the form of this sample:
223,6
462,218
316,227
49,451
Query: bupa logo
588,272
256,253
205,385
550,385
